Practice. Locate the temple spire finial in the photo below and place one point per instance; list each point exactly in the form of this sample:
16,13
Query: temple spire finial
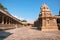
44,5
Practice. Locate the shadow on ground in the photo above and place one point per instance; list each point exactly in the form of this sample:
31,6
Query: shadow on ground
4,34
35,28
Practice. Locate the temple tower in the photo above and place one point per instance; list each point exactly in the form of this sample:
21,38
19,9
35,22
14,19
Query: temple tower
46,19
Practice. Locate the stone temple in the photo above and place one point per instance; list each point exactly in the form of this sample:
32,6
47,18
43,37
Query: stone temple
46,21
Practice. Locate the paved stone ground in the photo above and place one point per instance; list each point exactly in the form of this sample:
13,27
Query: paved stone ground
31,34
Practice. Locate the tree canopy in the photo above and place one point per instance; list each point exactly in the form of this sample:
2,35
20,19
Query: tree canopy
2,7
24,20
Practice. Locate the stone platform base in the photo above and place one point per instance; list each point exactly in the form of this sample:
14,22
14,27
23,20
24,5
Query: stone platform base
49,29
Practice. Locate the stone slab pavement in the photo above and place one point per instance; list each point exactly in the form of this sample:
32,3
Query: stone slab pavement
24,33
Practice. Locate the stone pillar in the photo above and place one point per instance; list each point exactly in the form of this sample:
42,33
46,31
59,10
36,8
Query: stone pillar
9,21
6,20
16,25
55,22
2,19
43,23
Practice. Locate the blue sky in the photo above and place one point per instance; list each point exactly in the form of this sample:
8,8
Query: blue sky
29,9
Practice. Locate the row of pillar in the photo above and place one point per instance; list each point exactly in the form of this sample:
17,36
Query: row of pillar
6,20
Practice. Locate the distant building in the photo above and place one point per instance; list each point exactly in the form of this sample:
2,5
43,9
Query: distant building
27,24
8,21
46,21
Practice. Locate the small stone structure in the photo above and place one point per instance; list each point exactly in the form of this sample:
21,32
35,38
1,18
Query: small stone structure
46,20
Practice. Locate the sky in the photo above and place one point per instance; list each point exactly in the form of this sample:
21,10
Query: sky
29,9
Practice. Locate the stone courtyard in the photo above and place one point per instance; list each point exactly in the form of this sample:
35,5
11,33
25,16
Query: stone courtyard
24,33
12,28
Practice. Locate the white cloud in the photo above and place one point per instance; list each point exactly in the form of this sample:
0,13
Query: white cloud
28,20
18,17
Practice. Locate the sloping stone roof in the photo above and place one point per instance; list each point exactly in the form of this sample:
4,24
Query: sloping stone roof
9,15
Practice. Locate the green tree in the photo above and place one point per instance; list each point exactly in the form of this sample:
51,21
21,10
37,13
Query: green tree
2,7
24,20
